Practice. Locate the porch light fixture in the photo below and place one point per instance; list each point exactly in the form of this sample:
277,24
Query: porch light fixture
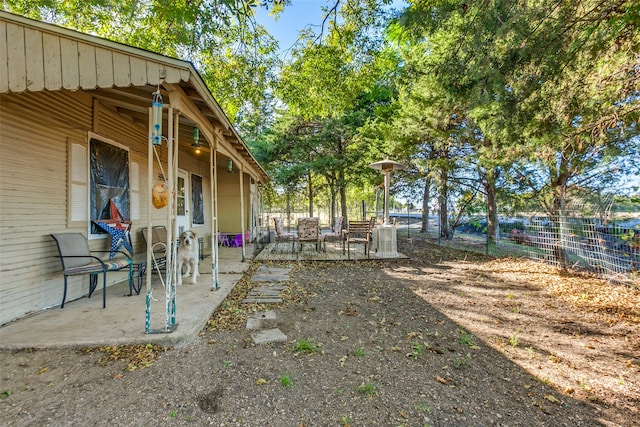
386,167
196,137
196,140
230,166
156,118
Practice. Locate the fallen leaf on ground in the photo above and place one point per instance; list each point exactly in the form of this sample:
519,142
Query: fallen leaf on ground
442,380
551,399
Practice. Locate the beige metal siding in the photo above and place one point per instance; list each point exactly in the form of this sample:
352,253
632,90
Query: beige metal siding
33,193
34,177
75,107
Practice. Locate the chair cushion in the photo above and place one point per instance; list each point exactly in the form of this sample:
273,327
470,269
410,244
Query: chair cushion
308,229
111,265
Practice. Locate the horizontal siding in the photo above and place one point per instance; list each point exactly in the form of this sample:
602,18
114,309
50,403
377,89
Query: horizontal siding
119,128
33,194
71,109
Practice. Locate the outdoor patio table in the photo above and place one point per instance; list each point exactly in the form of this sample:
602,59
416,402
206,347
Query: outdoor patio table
385,244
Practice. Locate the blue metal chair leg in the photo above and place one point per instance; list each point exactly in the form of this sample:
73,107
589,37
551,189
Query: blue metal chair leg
64,293
93,283
104,290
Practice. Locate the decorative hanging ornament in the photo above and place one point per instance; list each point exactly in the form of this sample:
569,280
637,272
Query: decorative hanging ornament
159,195
156,118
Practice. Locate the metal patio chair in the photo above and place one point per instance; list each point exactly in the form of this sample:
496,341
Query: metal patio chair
76,258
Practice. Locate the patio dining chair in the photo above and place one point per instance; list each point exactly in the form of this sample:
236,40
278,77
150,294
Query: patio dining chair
282,236
358,232
76,258
223,239
335,234
309,232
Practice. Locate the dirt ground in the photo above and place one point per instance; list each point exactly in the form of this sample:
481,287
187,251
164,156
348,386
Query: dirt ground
446,339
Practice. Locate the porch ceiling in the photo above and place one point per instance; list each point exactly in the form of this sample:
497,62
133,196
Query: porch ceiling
134,103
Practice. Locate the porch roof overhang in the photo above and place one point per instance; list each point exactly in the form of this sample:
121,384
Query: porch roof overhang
37,56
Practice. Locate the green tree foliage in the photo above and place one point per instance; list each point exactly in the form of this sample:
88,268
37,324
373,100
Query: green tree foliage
331,88
552,84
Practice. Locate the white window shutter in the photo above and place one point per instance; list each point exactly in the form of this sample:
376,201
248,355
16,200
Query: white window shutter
78,203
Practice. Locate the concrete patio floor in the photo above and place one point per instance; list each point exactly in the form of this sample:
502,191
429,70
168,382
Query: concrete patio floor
84,323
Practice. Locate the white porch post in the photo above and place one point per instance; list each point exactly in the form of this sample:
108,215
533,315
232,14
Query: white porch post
242,223
214,216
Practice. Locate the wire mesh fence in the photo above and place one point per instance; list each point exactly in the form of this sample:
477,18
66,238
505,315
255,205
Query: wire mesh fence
601,241
581,237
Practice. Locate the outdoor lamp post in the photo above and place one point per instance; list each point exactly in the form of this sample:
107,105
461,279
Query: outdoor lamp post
386,167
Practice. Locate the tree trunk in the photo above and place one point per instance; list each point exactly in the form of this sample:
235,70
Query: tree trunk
445,231
559,218
310,185
492,208
425,205
333,203
288,198
343,196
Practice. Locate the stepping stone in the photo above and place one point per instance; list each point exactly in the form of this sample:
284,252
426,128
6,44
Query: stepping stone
270,277
265,293
267,287
273,270
268,336
262,300
255,320
275,274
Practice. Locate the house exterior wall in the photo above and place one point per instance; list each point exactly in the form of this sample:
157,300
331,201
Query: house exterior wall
229,201
37,132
